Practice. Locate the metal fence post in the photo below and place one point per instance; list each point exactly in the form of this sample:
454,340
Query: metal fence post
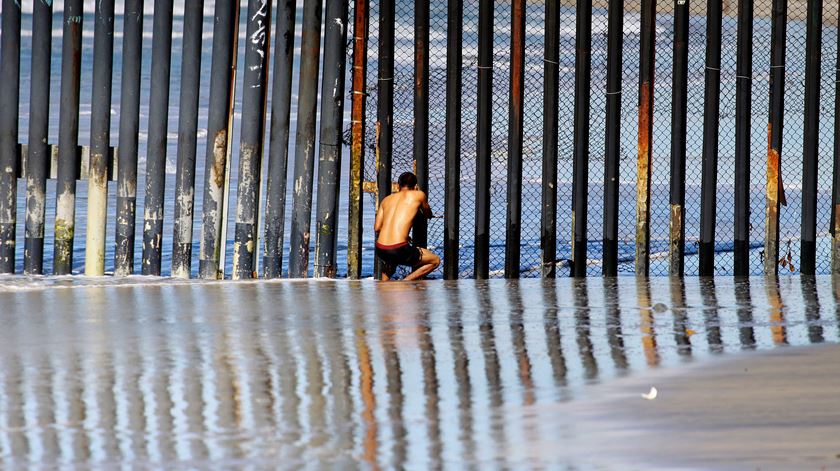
100,138
711,119
68,137
775,191
361,23
679,107
835,188
385,105
484,139
580,185
810,140
513,232
419,232
743,107
452,184
187,129
647,51
615,37
9,101
551,103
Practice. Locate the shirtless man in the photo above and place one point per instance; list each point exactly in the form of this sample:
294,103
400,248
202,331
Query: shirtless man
394,219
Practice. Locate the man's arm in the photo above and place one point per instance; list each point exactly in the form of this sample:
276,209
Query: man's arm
377,226
425,208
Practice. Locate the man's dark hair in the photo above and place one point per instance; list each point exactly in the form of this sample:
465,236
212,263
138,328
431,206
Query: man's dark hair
408,179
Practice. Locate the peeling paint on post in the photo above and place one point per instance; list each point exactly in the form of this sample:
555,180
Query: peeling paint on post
452,190
357,137
215,168
38,158
9,100
551,102
100,138
810,138
775,193
158,121
252,137
711,124
278,149
132,48
643,167
68,137
679,108
513,230
743,123
305,138
332,118
187,126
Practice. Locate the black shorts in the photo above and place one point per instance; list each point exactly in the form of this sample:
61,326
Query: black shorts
398,254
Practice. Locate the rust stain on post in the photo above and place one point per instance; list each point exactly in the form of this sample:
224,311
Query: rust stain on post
643,180
835,247
771,223
675,246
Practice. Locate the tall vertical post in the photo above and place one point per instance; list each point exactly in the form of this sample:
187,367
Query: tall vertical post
711,119
332,120
513,232
551,103
615,36
484,139
361,22
222,73
778,37
743,122
310,50
580,185
100,138
452,189
9,101
421,112
156,153
187,127
68,137
278,147
647,52
385,104
811,134
679,109
835,187
38,160
251,139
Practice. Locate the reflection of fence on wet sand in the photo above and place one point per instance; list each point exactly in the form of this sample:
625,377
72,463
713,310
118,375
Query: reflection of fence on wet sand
397,377
540,129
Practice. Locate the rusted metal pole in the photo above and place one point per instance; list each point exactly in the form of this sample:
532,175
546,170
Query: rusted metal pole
222,75
100,138
68,137
156,153
580,185
278,146
551,103
513,232
129,129
743,117
452,189
332,120
361,22
679,108
385,105
835,188
419,231
615,36
252,137
711,119
811,134
38,160
484,144
9,101
305,138
187,129
647,52
775,192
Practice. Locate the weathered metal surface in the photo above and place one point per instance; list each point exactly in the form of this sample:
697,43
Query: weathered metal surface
251,139
222,75
385,106
452,158
615,36
580,179
361,23
332,121
68,137
743,122
278,147
305,139
484,136
810,138
679,110
156,147
100,137
9,100
643,163
38,152
129,129
187,130
513,230
711,123
420,229
775,191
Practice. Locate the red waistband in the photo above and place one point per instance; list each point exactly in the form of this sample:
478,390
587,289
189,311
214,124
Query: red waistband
390,247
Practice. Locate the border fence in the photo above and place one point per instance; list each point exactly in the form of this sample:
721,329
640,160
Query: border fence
553,138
